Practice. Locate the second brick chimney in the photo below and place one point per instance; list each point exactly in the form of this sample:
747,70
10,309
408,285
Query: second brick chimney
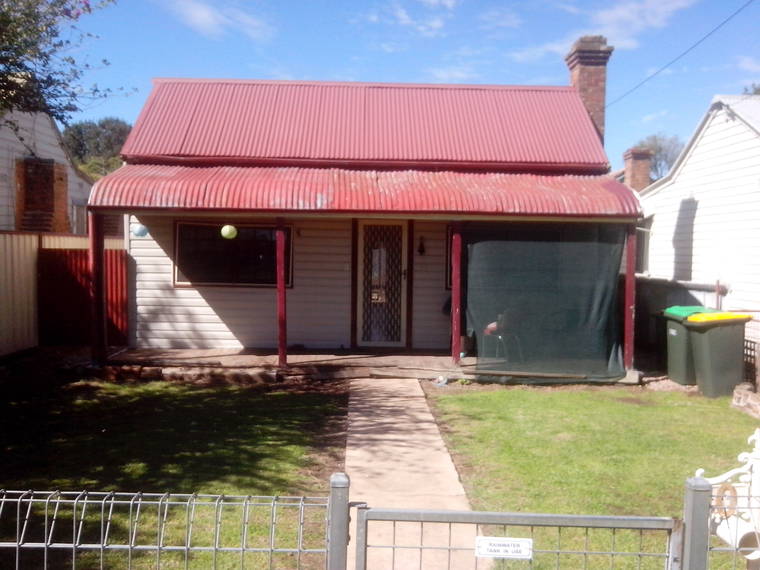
638,165
587,61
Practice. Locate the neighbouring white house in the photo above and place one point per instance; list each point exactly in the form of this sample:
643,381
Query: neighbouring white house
703,217
40,188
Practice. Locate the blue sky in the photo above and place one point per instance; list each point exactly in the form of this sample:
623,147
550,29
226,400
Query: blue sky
434,41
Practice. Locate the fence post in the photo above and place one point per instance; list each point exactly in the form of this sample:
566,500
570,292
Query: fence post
337,522
696,521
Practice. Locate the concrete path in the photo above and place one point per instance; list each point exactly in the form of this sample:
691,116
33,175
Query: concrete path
396,458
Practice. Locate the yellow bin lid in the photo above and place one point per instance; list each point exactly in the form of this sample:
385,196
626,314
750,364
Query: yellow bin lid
713,317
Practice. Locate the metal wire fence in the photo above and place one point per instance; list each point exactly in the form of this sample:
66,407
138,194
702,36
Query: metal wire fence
390,539
150,530
54,529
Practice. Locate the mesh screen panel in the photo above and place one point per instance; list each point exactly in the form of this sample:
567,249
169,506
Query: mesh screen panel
381,296
542,299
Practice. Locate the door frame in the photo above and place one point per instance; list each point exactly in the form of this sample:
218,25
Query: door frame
404,297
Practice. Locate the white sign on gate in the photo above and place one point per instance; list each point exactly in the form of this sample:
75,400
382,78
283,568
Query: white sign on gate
504,547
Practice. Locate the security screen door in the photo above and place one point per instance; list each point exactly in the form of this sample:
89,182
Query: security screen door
381,303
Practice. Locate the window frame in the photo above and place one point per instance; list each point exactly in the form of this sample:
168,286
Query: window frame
180,284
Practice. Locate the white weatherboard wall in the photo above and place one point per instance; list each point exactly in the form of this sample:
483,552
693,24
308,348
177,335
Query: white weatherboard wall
719,180
42,137
318,304
431,328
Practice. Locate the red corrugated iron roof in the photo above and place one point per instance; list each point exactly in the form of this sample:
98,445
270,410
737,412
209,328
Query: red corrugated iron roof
506,128
331,190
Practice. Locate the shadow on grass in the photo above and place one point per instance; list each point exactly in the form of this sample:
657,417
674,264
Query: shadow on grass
160,437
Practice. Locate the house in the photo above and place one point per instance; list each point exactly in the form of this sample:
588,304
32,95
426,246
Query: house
40,188
372,216
702,218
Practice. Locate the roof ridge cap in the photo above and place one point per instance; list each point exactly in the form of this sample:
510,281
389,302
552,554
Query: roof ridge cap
361,84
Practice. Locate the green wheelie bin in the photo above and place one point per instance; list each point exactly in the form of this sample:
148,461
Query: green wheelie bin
680,353
717,341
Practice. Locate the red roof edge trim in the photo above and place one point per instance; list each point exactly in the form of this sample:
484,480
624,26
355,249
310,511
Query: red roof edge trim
463,216
526,167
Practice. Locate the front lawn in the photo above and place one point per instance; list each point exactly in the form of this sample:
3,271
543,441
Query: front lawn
590,450
159,436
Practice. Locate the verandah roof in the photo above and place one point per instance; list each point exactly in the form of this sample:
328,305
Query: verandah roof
332,190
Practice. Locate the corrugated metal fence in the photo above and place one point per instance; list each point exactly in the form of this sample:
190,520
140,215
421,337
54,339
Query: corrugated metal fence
18,291
55,265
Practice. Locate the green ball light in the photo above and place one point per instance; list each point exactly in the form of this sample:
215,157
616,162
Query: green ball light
229,232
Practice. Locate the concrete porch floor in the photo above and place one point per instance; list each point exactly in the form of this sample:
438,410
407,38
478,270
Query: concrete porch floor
375,364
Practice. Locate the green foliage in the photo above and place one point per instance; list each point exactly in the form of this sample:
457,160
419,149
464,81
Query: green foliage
588,451
665,150
96,146
38,70
96,167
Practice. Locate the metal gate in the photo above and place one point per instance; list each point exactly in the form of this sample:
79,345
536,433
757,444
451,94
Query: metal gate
462,540
63,295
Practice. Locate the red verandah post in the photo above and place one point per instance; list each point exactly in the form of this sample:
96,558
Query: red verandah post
282,315
97,289
456,292
630,297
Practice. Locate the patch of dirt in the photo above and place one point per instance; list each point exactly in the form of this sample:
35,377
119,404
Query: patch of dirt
328,454
635,401
653,383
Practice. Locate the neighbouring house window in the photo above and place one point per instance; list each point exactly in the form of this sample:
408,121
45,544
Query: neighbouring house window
643,231
204,257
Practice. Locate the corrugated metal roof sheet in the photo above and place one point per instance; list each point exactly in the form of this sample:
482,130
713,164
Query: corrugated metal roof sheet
494,127
330,190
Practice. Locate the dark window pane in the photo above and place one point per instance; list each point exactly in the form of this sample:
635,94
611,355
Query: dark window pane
204,256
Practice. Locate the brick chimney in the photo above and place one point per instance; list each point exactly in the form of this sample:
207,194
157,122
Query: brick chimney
587,61
638,163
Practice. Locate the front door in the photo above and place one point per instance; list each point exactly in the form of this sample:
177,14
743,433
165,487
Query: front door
381,290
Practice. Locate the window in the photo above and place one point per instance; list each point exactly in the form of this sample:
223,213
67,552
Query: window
643,231
204,257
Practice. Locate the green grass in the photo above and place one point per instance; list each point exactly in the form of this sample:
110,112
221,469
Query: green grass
160,436
609,451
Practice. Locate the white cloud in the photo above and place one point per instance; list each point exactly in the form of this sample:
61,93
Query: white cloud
568,7
654,116
622,24
427,27
499,18
747,63
534,53
448,4
452,74
215,21
666,71
402,16
391,47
